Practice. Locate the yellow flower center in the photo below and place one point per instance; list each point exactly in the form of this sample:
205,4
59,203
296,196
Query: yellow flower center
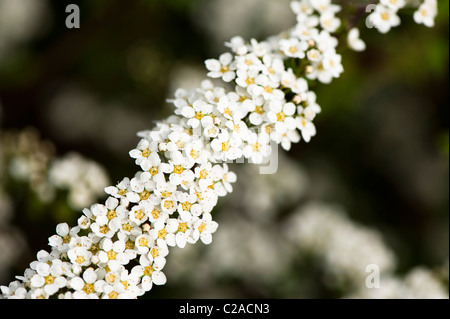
293,50
129,244
148,270
153,171
144,195
88,288
139,214
111,214
49,280
104,229
111,255
178,169
162,233
182,227
168,204
113,295
225,146
259,110
127,227
228,112
143,242
95,248
199,115
154,252
194,154
155,213
224,69
111,278
186,206
256,147
202,227
280,117
179,144
203,174
166,194
250,81
146,153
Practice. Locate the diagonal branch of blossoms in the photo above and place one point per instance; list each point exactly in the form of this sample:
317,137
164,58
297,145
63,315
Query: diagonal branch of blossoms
258,93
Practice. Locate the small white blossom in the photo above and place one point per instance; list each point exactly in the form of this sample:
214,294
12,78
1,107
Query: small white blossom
222,68
204,228
384,18
426,13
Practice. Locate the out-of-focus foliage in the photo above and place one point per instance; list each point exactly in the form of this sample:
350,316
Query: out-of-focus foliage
381,153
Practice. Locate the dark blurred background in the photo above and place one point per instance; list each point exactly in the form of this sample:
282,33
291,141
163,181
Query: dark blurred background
383,141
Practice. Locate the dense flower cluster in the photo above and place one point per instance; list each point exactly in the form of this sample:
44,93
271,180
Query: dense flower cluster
264,98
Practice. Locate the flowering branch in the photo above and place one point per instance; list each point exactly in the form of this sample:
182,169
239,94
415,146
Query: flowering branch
266,98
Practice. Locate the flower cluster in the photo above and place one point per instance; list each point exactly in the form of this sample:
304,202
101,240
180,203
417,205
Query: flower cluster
385,17
264,97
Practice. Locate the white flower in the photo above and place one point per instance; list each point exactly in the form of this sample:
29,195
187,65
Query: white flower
330,67
259,48
273,67
256,109
248,61
120,190
228,105
246,78
169,202
384,19
178,139
267,88
293,47
204,228
354,42
143,243
79,256
112,253
143,150
227,146
154,170
198,113
62,238
207,198
281,114
49,276
426,13
222,68
325,41
158,252
204,175
180,169
314,55
324,6
329,22
179,232
149,272
258,148
196,150
302,6
86,286
237,45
